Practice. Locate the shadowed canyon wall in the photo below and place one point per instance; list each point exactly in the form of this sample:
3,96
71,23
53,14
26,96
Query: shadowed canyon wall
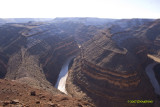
111,57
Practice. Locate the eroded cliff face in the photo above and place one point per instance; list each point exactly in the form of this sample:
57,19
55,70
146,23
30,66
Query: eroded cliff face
10,42
111,67
110,62
3,65
33,53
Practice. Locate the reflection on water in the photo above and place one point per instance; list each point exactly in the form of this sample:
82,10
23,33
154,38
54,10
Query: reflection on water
61,82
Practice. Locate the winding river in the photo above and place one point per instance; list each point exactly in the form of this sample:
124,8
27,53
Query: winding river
153,80
61,82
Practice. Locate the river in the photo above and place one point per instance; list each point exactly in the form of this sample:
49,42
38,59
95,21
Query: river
61,82
153,80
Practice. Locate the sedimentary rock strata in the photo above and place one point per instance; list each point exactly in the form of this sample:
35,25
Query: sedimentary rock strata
111,67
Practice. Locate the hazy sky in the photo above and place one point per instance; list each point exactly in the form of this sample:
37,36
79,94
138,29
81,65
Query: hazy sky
80,8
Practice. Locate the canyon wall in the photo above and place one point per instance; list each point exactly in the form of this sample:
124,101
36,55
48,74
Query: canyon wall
34,54
111,67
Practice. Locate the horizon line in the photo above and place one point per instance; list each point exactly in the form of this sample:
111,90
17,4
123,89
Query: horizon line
70,17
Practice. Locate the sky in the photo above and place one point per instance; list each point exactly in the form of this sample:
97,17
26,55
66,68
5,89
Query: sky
80,8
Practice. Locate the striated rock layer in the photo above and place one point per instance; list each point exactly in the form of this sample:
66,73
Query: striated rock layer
34,53
110,69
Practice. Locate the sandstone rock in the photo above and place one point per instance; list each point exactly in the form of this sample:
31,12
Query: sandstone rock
37,102
16,101
33,93
5,103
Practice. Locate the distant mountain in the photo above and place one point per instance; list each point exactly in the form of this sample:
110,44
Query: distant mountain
2,21
86,21
23,20
123,24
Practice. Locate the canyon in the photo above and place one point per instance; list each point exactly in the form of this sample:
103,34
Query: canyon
79,62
